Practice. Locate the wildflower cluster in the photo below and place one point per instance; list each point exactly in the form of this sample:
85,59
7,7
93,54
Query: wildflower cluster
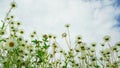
45,52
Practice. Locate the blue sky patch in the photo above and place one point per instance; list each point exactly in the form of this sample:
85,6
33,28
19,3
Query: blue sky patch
118,20
117,17
117,3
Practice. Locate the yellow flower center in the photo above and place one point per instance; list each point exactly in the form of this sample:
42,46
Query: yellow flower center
11,44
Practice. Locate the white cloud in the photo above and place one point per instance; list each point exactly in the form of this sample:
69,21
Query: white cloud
92,19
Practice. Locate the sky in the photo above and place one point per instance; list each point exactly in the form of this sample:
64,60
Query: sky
92,19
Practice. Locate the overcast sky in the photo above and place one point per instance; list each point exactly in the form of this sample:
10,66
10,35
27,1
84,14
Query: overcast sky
92,19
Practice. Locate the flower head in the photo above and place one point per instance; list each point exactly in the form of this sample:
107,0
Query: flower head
93,44
79,37
18,23
106,38
11,44
118,44
2,32
67,25
12,16
21,31
13,4
34,32
64,35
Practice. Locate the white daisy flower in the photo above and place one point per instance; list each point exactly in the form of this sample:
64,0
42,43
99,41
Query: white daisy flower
11,44
2,32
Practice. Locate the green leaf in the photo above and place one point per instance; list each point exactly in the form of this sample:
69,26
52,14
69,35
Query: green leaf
3,25
35,41
1,40
40,53
45,46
